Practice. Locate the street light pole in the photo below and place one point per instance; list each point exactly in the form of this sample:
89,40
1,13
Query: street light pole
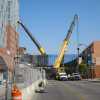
77,69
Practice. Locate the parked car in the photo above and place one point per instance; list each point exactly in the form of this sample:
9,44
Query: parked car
76,76
62,76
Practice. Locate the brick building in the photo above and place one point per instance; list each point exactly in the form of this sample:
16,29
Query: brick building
22,50
9,52
91,56
9,15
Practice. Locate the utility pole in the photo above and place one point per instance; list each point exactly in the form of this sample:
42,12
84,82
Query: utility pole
78,49
77,68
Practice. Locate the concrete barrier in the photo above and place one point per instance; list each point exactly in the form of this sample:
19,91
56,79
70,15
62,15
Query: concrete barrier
28,80
29,92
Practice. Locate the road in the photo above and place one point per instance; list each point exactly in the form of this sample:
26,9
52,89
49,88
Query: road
70,90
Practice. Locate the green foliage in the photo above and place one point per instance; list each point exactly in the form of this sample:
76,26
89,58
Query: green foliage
83,68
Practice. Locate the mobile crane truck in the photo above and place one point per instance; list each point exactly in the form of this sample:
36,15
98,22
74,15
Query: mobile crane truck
60,56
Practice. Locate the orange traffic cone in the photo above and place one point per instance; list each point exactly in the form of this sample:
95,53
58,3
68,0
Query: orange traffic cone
16,93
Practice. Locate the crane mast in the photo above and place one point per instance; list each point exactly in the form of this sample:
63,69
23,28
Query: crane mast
65,44
39,47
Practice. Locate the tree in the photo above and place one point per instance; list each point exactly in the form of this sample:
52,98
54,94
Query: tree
83,69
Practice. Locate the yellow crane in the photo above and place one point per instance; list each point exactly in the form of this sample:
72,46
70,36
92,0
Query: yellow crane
65,44
42,52
39,47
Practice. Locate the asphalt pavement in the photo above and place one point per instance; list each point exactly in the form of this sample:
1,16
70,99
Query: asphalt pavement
70,90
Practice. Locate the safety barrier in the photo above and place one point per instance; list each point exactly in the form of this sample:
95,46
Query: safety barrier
16,93
28,79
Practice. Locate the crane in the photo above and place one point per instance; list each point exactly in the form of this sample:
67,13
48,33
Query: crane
65,44
42,84
39,47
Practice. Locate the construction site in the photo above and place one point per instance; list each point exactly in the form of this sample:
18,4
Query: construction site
44,75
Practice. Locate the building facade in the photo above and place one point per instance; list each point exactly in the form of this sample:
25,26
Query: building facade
91,56
9,15
49,59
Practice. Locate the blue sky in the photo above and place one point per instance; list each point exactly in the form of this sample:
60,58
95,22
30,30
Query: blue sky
49,20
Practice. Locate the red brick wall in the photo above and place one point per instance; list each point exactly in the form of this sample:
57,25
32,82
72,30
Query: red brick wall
94,48
8,53
21,50
97,71
97,58
97,48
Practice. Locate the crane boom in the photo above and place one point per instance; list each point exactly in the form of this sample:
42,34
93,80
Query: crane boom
39,47
65,44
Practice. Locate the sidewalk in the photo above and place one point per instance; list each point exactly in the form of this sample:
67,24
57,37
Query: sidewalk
93,80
